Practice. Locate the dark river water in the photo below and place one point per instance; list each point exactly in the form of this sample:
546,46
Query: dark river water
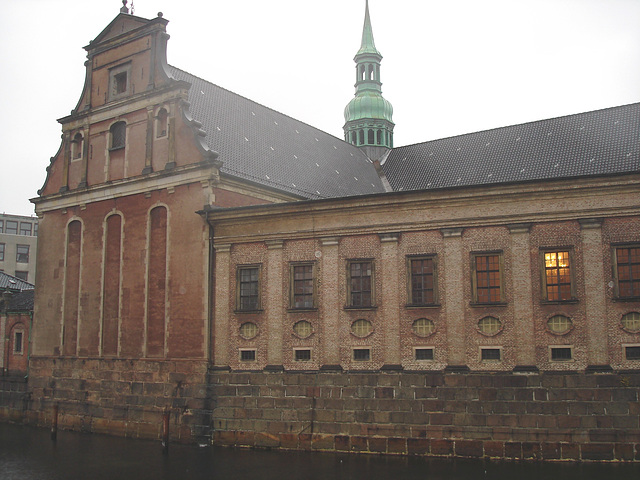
28,453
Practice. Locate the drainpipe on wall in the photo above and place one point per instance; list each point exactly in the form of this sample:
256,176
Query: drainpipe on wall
29,344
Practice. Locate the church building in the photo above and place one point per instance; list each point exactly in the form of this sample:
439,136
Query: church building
268,284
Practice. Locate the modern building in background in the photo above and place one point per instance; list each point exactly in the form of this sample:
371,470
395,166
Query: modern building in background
18,245
191,232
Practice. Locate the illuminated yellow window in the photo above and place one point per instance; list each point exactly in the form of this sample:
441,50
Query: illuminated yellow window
557,276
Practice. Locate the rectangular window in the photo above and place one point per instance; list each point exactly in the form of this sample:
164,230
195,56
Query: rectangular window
25,228
361,354
632,352
487,278
18,342
423,353
360,284
1,226
627,271
248,296
119,81
35,229
11,227
247,355
490,354
556,278
22,253
561,354
22,275
422,281
1,252
302,286
302,355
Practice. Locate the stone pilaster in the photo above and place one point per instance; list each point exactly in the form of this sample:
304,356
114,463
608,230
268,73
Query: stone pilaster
220,329
454,301
595,300
522,296
331,302
389,300
274,307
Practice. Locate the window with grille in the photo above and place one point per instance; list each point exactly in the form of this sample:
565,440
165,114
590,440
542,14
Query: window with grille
302,286
360,284
361,328
489,326
247,355
248,330
25,228
303,329
423,353
1,252
11,227
361,354
422,288
557,276
631,322
559,324
18,342
248,288
118,135
490,354
423,327
22,253
487,278
302,355
632,352
627,267
561,354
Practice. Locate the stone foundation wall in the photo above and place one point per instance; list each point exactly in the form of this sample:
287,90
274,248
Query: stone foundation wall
541,416
548,416
118,397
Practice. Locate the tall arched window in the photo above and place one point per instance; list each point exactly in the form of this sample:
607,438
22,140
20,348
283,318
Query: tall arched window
118,135
161,123
371,76
156,282
371,137
71,288
360,137
76,146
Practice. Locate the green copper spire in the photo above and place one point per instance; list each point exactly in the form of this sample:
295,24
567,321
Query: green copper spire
368,45
368,116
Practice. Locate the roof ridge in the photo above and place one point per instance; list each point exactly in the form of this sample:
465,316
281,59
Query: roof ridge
532,122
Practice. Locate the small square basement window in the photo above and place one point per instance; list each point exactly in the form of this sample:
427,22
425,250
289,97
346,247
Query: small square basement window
632,352
302,355
247,355
361,354
561,354
423,353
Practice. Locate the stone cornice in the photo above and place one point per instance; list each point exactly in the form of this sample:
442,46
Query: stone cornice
442,209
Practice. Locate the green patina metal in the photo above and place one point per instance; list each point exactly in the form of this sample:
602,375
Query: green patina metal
368,116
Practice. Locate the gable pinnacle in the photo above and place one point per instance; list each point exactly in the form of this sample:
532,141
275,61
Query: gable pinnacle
124,8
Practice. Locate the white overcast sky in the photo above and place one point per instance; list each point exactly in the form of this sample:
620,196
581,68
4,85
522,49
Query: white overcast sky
449,67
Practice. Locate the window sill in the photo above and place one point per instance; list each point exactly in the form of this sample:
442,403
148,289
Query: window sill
248,311
115,149
626,299
348,307
412,306
559,302
302,310
493,304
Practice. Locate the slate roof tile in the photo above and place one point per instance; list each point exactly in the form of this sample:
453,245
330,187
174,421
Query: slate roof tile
593,143
262,145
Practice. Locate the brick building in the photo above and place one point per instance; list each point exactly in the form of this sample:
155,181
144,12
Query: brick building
190,232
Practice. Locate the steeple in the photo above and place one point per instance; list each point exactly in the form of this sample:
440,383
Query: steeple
368,116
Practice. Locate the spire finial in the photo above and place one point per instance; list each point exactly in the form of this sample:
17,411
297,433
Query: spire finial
124,8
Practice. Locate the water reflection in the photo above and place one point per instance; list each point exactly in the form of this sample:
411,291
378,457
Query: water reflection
28,453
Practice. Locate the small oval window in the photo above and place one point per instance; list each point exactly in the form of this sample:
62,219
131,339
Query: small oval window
361,328
423,327
302,329
631,322
559,324
248,330
489,326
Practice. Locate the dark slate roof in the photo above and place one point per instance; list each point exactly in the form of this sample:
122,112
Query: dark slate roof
594,143
261,145
9,282
18,302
